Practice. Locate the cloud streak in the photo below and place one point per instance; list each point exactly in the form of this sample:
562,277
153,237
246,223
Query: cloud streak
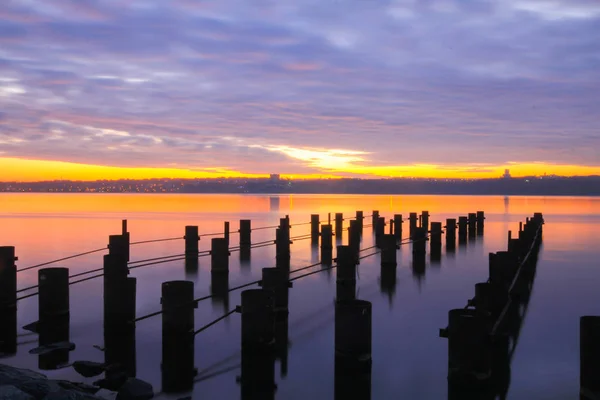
299,86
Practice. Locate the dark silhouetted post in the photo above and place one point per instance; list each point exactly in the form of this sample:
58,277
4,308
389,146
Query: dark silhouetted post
53,311
326,244
8,300
258,338
420,241
115,277
425,220
276,280
191,242
352,350
480,222
219,255
374,218
339,225
346,274
118,246
360,219
450,233
226,232
178,336
245,233
314,228
124,227
412,224
388,251
436,241
472,220
379,230
589,357
398,226
354,239
462,229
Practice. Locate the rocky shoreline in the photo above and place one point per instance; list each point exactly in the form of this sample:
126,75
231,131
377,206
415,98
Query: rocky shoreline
24,384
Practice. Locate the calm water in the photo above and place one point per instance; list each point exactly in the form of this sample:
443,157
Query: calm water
409,359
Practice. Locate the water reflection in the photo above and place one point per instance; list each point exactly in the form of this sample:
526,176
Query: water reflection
387,282
219,289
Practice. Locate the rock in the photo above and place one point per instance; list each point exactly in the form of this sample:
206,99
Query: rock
8,375
89,369
39,388
78,387
106,394
135,389
113,382
9,392
69,395
53,347
37,385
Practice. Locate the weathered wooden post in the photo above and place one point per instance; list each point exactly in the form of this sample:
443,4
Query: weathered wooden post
388,251
412,224
226,232
53,316
115,277
360,219
118,246
589,357
480,222
314,228
346,274
178,336
354,239
245,233
450,234
276,280
398,226
257,379
353,350
219,255
191,239
374,218
339,225
425,220
123,227
436,241
420,241
379,230
326,244
8,300
282,235
472,222
462,230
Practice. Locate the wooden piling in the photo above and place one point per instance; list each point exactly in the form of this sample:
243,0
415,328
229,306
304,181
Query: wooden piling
589,357
8,300
450,235
472,224
339,225
419,241
425,220
436,241
123,227
346,274
177,336
480,222
258,319
379,231
119,333
354,239
398,226
314,228
219,255
462,228
326,244
388,251
118,246
276,280
245,233
115,277
226,233
374,218
353,331
191,238
360,219
53,315
412,224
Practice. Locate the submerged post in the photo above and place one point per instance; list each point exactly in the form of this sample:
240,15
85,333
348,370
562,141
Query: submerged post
53,315
314,228
8,300
346,274
178,336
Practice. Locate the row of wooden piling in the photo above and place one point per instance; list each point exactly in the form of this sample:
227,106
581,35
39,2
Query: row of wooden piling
481,336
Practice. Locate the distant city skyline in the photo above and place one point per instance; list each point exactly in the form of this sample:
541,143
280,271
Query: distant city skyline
142,89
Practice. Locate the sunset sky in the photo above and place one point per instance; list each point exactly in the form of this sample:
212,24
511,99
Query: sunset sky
107,89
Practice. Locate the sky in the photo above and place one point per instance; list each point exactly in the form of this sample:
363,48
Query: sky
109,89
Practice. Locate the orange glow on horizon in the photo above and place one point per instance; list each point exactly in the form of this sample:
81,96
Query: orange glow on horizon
25,170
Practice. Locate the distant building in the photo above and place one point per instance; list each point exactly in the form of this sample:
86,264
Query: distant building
506,174
274,177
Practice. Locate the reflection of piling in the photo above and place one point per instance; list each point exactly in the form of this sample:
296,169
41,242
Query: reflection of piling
346,274
420,241
480,222
589,357
314,228
326,244
339,225
354,239
472,224
177,336
412,224
8,300
398,226
282,343
360,218
219,288
425,220
379,230
258,338
219,255
351,382
418,265
53,311
276,280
